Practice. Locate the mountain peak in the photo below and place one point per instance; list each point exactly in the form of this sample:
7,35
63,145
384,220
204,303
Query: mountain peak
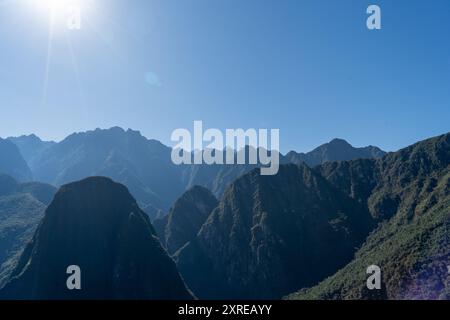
336,150
185,218
339,141
12,162
97,225
32,137
111,129
261,240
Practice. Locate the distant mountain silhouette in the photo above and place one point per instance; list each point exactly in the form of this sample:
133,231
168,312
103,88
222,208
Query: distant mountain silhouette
185,218
30,147
409,191
217,177
143,165
95,224
270,234
335,150
21,209
12,162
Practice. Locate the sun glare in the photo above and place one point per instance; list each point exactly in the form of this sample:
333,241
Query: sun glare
59,7
51,4
63,13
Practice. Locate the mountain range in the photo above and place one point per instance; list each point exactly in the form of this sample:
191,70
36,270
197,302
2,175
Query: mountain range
272,234
142,164
31,147
409,193
226,232
250,247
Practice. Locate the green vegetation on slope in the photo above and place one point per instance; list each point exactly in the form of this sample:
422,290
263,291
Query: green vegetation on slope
411,199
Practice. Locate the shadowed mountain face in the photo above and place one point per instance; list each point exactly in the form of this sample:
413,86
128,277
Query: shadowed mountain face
185,218
409,191
335,150
12,162
30,147
97,225
270,234
21,208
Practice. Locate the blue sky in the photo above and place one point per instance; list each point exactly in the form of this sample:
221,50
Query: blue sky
310,68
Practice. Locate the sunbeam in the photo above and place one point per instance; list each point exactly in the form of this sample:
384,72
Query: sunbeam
48,58
76,71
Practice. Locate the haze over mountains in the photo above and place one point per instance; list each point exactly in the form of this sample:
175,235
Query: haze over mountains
12,163
144,165
31,147
308,232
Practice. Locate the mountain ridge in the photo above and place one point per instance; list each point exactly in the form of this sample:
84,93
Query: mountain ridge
262,239
143,165
335,150
250,244
412,245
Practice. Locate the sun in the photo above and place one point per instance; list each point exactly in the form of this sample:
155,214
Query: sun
59,7
61,13
54,5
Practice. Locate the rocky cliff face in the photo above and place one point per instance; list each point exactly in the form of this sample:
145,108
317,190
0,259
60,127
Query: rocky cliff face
270,234
185,218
